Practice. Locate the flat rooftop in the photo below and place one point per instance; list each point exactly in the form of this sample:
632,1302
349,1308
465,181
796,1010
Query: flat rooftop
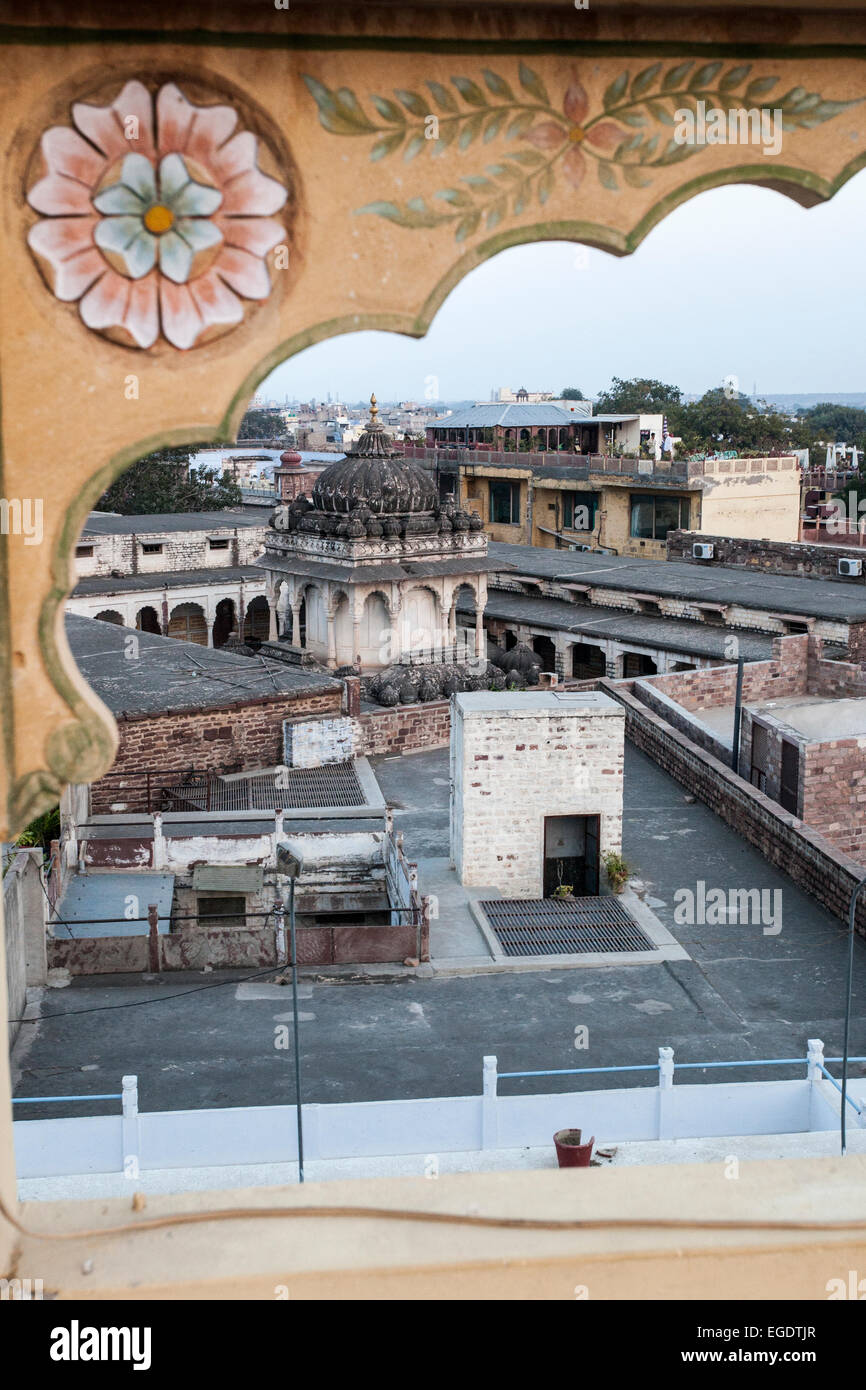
171,675
537,702
672,634
164,579
818,718
113,524
715,584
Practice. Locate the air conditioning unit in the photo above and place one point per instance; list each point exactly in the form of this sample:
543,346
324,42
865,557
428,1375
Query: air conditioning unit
703,550
850,568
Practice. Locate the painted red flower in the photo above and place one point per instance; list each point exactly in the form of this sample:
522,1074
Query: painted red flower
603,136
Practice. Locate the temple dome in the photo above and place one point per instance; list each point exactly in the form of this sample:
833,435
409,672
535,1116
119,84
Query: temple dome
374,476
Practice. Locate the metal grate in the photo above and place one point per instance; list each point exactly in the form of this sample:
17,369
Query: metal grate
333,784
556,926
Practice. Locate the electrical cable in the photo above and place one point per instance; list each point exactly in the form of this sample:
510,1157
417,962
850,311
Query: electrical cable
454,1218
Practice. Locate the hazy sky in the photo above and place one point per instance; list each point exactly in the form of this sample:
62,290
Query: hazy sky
738,281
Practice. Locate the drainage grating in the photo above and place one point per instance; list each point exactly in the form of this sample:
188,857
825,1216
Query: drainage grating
558,927
332,784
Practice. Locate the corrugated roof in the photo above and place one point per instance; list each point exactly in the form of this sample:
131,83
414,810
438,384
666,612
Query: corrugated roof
91,896
483,416
159,523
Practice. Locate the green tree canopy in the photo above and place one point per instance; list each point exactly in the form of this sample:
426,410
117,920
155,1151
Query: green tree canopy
639,396
262,424
162,482
571,393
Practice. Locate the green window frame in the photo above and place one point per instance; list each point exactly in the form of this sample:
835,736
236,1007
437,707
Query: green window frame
572,502
653,515
504,502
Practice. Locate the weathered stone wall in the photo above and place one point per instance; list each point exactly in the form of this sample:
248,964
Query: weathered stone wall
514,768
775,557
834,793
817,866
404,729
181,550
221,740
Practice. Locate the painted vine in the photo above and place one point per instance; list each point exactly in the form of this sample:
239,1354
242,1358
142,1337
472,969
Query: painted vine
627,139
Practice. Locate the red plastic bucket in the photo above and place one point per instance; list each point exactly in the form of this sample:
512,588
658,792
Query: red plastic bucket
570,1152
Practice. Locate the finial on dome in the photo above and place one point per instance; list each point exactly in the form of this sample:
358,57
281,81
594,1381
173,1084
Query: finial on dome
374,409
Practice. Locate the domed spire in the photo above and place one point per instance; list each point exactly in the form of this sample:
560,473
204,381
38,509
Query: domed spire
376,476
374,409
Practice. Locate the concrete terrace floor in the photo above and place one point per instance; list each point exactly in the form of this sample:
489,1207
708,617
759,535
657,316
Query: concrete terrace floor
742,995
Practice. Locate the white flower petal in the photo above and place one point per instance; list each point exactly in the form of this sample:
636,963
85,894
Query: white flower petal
196,200
175,257
138,174
141,255
173,176
116,233
120,199
198,232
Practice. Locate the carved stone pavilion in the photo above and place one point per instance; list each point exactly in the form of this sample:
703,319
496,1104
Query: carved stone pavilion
366,572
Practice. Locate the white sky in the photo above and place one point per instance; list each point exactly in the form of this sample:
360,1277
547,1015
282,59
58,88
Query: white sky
738,281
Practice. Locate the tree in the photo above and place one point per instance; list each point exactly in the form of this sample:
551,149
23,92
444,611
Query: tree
571,393
829,422
262,424
718,422
162,482
638,396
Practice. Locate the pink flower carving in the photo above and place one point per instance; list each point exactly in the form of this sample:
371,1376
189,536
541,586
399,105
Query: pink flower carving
603,136
156,217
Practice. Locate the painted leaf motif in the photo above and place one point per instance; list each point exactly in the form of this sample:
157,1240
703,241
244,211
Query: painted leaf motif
442,96
615,91
634,177
388,144
471,129
545,185
676,76
704,76
532,83
645,80
470,91
497,85
412,102
734,77
606,176
759,88
520,124
389,110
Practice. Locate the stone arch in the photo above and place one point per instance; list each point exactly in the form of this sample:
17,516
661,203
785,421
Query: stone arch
257,620
316,614
110,615
187,622
341,650
376,625
420,619
147,620
617,222
224,622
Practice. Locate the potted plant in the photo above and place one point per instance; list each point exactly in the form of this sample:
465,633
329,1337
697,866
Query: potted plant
571,1152
617,870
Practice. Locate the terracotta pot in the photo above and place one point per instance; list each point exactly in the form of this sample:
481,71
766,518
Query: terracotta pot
570,1152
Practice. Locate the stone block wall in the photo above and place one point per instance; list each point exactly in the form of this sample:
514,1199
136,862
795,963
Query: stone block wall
827,873
310,743
521,762
403,729
834,793
227,739
774,557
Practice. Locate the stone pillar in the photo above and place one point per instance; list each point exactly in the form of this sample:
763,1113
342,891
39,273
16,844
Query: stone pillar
296,624
480,604
273,632
332,637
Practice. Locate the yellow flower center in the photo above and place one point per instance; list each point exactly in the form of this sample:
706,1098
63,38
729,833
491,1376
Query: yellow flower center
158,218
576,134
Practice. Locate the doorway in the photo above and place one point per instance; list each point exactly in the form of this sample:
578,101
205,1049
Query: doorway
571,854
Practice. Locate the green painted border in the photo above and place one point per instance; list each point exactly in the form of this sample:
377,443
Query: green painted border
28,36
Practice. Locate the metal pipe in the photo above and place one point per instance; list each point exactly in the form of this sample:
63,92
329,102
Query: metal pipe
296,1029
852,914
738,711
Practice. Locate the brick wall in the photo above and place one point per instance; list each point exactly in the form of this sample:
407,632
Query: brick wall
834,793
775,557
404,729
517,767
815,865
786,673
220,740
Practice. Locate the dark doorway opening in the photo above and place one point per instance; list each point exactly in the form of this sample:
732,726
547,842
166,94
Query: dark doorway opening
147,620
587,662
789,789
634,664
571,855
224,621
544,647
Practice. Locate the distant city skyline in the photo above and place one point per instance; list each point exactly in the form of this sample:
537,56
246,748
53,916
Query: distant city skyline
740,281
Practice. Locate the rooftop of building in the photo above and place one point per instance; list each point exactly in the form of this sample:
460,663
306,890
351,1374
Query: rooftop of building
527,703
114,524
671,634
164,579
818,718
716,584
168,675
481,416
